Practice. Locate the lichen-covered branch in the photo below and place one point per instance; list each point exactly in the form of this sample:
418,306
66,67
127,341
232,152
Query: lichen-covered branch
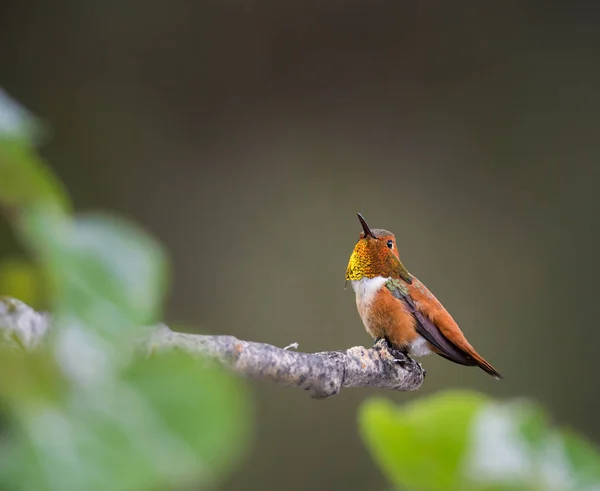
321,374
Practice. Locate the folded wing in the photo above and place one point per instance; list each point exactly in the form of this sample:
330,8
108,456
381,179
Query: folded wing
442,345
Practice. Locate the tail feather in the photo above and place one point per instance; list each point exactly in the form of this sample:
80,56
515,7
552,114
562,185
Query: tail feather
470,360
486,367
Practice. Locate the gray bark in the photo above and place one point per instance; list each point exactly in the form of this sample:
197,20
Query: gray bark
321,374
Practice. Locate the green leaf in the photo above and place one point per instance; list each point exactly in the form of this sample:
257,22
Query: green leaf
20,278
84,412
169,421
514,447
105,270
584,460
29,380
504,445
202,404
422,445
460,441
24,179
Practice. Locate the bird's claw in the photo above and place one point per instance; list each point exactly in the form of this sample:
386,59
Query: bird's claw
402,358
408,363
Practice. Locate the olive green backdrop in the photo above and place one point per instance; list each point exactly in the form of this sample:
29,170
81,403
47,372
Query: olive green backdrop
246,136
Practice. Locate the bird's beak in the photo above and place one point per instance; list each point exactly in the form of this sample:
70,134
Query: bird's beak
365,227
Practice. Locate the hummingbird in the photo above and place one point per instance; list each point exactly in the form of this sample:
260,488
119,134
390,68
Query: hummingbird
394,305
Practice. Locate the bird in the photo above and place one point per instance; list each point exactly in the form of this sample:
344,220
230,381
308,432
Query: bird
395,306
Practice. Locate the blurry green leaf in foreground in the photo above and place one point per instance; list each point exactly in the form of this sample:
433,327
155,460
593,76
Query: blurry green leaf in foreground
24,179
582,456
463,441
30,380
22,279
101,266
107,419
171,420
206,407
421,445
84,412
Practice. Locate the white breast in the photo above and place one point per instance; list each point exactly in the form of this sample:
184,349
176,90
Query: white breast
366,289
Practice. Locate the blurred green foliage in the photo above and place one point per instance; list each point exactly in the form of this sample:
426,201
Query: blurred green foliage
84,411
463,441
22,279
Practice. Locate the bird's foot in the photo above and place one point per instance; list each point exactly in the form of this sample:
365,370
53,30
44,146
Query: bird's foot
402,358
407,362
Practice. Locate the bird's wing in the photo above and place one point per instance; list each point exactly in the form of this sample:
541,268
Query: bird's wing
429,330
459,351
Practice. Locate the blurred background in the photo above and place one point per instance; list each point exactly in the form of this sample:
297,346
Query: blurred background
246,136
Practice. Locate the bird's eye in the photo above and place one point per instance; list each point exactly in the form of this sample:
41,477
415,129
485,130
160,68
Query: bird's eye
390,244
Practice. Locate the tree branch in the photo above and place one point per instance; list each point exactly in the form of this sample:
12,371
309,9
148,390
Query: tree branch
321,374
